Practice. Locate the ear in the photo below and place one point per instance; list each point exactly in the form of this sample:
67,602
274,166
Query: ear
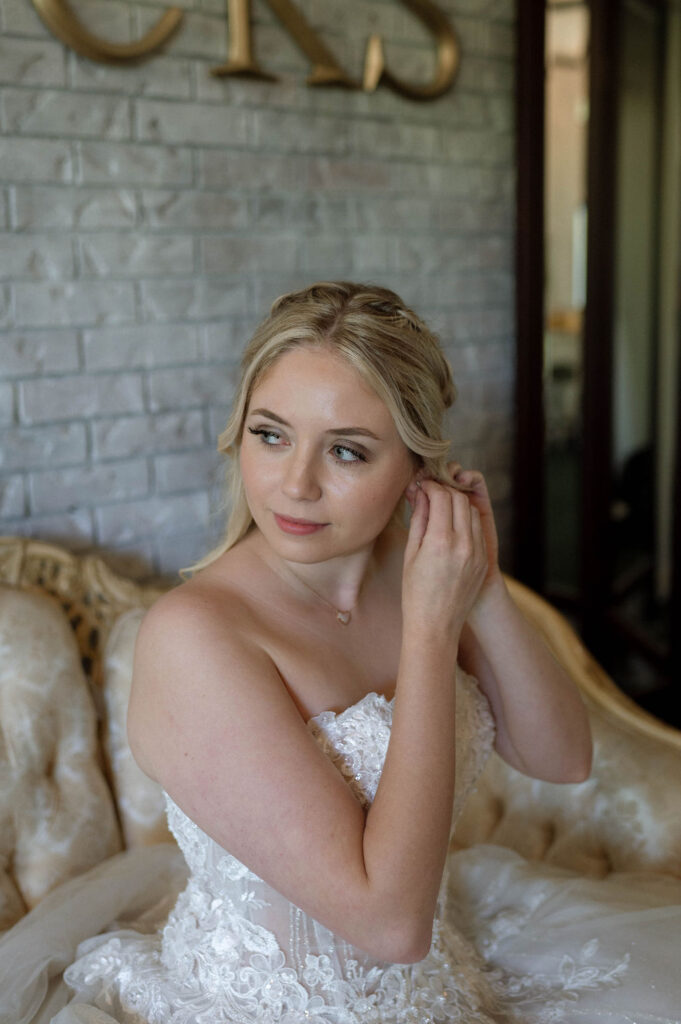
415,482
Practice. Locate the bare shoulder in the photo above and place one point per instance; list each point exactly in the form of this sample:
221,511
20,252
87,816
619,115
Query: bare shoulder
195,651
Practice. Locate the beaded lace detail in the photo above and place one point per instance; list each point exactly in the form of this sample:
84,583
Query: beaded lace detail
233,951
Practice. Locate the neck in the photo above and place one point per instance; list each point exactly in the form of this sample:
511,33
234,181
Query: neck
339,581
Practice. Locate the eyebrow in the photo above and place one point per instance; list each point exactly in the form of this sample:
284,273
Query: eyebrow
346,431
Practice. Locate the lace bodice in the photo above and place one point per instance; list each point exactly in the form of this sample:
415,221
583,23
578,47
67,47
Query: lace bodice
234,951
262,957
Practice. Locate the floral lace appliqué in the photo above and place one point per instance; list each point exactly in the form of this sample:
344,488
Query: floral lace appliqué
233,951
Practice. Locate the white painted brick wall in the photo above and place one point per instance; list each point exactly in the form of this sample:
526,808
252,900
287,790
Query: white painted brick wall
150,214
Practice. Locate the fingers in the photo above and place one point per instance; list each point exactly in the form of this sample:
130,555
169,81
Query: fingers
447,509
419,521
466,479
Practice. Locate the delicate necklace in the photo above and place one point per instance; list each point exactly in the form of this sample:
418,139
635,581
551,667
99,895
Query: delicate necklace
343,616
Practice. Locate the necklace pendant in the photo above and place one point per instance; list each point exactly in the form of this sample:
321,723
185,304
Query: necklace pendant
343,617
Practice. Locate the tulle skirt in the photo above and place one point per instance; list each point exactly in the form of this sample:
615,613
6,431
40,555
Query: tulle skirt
556,947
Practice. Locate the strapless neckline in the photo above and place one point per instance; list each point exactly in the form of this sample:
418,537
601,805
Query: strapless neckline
372,697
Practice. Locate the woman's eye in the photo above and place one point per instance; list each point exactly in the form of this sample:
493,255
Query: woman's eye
269,437
345,454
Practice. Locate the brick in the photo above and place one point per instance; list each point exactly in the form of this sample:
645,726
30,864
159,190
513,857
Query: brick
67,398
124,522
11,496
35,256
148,346
395,213
180,551
133,164
126,436
380,253
200,299
292,132
6,403
307,213
266,288
5,306
201,35
252,171
159,76
35,160
234,255
56,445
65,115
44,207
190,471
191,209
191,124
491,357
110,20
223,342
438,254
23,353
32,62
217,421
78,303
486,75
351,173
236,92
74,530
88,485
22,18
378,138
134,254
187,387
325,258
485,217
500,113
469,325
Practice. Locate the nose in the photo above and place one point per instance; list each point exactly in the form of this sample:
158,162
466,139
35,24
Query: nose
301,477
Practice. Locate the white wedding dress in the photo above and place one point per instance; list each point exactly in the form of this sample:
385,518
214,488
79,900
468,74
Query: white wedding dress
513,941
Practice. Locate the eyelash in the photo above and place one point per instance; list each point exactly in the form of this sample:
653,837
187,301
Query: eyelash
265,432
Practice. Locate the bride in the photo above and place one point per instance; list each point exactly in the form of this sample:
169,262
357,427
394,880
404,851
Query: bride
317,701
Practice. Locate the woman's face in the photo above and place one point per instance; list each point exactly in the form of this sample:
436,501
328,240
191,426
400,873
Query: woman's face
322,462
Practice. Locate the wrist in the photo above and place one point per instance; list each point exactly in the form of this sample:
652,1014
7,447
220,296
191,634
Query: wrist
493,599
430,641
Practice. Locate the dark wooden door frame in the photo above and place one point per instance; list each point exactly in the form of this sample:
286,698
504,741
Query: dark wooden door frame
528,462
596,483
528,556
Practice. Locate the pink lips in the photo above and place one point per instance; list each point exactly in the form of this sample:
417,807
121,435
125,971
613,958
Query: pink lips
297,526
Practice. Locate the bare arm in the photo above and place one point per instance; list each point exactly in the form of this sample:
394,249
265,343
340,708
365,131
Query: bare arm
542,725
211,720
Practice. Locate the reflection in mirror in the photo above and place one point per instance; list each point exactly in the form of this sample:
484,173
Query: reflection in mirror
565,218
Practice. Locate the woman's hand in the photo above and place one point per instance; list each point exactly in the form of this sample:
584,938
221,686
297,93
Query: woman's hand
472,483
445,560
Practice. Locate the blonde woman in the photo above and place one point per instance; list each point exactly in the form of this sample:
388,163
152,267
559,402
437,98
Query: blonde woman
317,701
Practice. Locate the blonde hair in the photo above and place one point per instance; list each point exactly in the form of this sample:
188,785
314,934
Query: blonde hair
384,340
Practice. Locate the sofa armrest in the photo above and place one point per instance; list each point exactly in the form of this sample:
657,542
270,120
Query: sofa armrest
626,816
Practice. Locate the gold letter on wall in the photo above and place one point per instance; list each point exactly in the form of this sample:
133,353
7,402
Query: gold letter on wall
375,70
61,20
325,67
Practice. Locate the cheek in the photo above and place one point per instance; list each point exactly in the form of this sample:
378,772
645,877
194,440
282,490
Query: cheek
366,497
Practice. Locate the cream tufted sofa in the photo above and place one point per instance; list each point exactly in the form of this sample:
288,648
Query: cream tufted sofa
71,795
